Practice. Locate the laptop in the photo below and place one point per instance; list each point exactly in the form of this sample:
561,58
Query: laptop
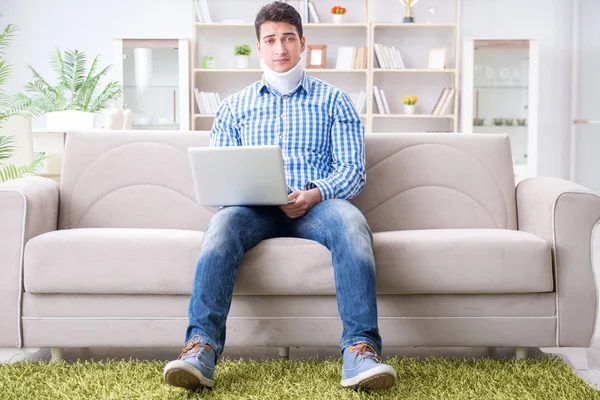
239,175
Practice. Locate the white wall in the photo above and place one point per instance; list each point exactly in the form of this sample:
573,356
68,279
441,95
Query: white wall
85,25
91,25
588,136
549,21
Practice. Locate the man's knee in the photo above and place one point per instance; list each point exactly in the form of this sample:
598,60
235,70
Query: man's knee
227,221
342,213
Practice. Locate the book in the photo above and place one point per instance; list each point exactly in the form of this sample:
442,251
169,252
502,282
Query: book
345,58
449,100
379,55
199,16
205,11
396,53
440,101
386,106
378,100
359,100
314,16
197,96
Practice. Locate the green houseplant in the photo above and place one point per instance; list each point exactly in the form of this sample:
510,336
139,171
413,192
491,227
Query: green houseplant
242,54
76,88
13,105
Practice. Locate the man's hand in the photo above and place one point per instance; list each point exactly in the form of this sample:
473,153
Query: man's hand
304,201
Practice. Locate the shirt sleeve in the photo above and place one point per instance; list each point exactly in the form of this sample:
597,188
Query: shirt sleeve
348,176
224,131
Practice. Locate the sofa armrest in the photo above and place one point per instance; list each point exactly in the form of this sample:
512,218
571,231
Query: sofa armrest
566,215
28,207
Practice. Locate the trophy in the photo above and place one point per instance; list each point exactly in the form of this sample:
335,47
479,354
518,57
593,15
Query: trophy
408,4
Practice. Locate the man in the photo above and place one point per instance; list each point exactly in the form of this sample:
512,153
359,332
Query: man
321,137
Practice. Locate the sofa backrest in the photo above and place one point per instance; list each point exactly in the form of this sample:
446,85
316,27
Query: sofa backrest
438,181
142,179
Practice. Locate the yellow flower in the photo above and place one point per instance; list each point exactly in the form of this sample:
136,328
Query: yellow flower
409,100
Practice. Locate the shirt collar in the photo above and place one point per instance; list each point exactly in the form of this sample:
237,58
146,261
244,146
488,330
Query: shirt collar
263,87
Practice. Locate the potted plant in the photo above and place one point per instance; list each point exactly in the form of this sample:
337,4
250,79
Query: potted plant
13,106
409,104
337,13
242,54
76,96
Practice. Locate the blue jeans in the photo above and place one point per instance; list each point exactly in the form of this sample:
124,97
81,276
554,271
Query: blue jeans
232,231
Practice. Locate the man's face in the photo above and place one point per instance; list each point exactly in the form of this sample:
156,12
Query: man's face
279,45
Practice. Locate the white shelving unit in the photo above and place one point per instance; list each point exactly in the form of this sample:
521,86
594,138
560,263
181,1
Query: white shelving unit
500,81
367,22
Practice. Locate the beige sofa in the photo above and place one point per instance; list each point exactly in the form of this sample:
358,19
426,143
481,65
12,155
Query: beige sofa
463,259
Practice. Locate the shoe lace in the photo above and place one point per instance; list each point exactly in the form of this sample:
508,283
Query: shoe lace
193,346
364,350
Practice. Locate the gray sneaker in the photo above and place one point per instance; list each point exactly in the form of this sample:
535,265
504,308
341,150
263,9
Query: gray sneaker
194,368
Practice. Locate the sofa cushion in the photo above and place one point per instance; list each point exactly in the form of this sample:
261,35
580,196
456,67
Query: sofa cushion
163,261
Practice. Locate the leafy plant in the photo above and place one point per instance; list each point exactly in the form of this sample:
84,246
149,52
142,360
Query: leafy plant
17,104
77,86
8,172
242,50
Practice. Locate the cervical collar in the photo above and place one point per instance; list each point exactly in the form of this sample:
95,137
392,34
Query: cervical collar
283,82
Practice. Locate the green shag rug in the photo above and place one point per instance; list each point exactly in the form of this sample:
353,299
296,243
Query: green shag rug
431,378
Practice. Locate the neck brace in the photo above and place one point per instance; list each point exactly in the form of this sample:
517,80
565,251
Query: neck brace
283,82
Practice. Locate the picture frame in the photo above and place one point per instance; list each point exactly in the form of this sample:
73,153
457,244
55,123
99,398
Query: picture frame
316,56
437,58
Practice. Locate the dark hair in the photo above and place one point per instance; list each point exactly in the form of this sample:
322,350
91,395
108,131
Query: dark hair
278,12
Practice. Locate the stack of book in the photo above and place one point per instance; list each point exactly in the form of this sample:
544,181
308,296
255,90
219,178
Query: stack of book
202,13
351,58
442,107
388,57
382,104
208,102
359,99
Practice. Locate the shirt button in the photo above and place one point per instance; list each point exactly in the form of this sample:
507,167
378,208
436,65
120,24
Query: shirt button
284,97
280,136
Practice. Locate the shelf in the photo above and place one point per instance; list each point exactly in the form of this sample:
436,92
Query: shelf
413,116
416,70
323,25
258,70
412,26
222,25
328,25
362,28
500,87
499,126
328,70
216,70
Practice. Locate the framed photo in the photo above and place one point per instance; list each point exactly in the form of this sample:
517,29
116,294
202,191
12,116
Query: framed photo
437,59
317,56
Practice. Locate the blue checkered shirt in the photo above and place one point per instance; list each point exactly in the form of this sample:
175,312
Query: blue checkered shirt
316,126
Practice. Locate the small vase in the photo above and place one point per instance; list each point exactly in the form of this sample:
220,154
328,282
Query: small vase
242,61
409,109
338,18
